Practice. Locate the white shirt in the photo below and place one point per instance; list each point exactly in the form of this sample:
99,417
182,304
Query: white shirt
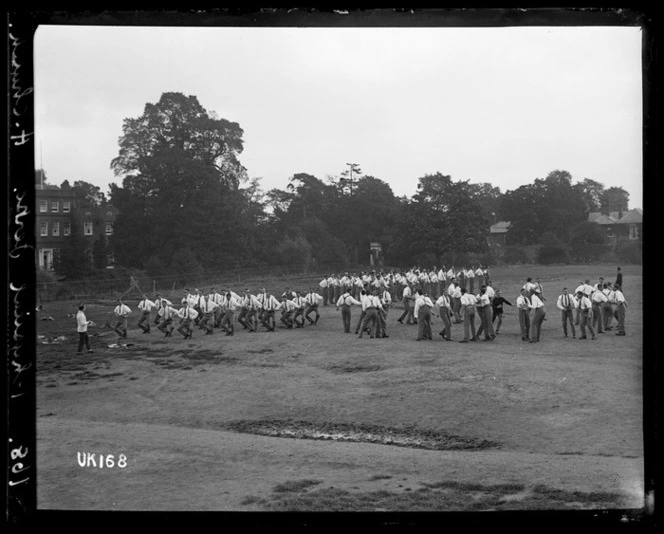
208,306
619,297
443,301
456,292
581,288
451,289
479,272
523,303
484,300
347,299
598,297
450,273
81,321
288,305
167,312
441,275
468,300
122,310
271,304
572,302
470,273
371,302
419,302
587,289
529,286
535,302
146,305
187,313
386,297
584,303
433,277
490,292
323,283
407,292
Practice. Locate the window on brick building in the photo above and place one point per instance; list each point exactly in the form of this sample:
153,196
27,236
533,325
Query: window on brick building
66,229
56,229
43,206
109,228
87,228
66,206
43,228
55,206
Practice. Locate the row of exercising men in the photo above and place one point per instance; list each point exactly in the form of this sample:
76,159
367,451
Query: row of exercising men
211,310
432,281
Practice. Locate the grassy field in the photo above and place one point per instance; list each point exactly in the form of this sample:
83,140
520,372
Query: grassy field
315,419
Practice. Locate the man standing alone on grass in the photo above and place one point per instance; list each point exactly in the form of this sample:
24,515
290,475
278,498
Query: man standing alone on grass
586,309
618,281
540,313
468,303
145,306
120,312
523,304
567,304
621,309
497,308
82,329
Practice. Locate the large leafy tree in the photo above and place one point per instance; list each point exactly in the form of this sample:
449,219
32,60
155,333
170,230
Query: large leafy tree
614,199
181,186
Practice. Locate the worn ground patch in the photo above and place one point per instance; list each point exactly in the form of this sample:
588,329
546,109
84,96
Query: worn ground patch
407,436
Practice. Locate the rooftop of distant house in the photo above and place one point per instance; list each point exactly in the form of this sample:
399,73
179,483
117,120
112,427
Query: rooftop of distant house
633,216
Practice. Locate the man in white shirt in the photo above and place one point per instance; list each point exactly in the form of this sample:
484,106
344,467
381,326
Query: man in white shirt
371,305
386,302
188,315
468,302
597,299
145,306
158,303
82,329
470,276
529,286
539,289
323,287
166,314
479,276
312,304
540,312
208,307
523,305
486,316
608,311
422,312
407,298
586,309
270,306
230,304
454,291
254,312
580,289
120,312
444,311
345,302
301,304
621,309
288,308
567,304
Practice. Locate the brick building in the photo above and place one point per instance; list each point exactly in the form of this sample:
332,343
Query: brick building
619,225
60,213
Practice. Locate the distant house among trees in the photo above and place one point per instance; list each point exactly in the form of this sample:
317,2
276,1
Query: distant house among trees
620,226
498,232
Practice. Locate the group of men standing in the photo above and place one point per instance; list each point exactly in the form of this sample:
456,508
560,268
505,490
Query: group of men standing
424,294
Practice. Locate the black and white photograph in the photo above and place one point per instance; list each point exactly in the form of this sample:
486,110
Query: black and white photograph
339,262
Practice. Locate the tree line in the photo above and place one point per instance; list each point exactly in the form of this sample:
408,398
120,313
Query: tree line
187,204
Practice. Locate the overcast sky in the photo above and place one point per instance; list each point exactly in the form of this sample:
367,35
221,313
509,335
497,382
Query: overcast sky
498,105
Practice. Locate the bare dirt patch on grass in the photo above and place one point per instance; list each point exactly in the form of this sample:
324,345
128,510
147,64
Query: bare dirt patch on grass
407,436
295,496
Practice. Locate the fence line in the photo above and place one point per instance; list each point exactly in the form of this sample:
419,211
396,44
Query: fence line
111,288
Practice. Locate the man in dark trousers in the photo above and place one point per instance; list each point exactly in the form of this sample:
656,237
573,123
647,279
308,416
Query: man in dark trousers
567,304
619,281
497,308
523,304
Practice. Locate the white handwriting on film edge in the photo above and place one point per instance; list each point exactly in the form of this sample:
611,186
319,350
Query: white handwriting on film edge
18,316
18,93
19,234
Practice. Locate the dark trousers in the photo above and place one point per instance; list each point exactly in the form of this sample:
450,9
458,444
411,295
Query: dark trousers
299,313
287,318
447,322
585,323
524,323
166,325
307,312
268,319
144,321
620,316
536,325
486,319
251,319
121,326
227,321
185,327
242,316
326,296
597,318
567,315
407,312
424,323
83,339
456,309
469,323
360,320
381,322
345,317
369,321
607,315
471,284
207,322
497,315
